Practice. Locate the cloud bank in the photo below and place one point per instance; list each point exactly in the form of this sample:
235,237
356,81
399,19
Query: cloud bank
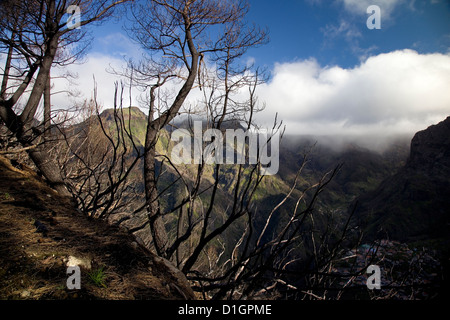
390,94
399,92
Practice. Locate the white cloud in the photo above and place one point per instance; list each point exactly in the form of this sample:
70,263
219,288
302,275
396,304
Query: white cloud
112,52
396,92
345,29
97,66
102,70
400,92
359,7
350,33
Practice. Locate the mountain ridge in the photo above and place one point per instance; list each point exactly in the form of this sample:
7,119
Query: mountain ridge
413,204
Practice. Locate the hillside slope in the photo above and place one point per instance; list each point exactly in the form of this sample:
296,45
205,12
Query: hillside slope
414,203
40,231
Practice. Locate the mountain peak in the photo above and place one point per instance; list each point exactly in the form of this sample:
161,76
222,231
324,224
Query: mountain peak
134,112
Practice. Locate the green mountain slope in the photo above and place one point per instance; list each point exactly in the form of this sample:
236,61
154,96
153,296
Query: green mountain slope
362,171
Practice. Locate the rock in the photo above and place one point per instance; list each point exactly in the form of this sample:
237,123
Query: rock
81,262
40,227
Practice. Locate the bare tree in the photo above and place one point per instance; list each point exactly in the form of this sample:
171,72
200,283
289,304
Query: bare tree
179,35
199,44
97,154
205,218
34,36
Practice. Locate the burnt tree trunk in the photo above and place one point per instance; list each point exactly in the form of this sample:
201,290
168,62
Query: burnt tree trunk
157,227
153,128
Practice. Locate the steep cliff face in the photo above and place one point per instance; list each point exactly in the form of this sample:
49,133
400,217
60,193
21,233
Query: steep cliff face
430,150
413,204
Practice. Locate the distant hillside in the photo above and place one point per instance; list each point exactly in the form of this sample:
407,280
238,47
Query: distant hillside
135,119
414,203
362,169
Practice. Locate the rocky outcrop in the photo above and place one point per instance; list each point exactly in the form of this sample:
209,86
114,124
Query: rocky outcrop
430,150
414,203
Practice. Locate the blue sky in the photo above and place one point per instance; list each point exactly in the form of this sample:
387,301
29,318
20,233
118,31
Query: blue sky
336,34
330,74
